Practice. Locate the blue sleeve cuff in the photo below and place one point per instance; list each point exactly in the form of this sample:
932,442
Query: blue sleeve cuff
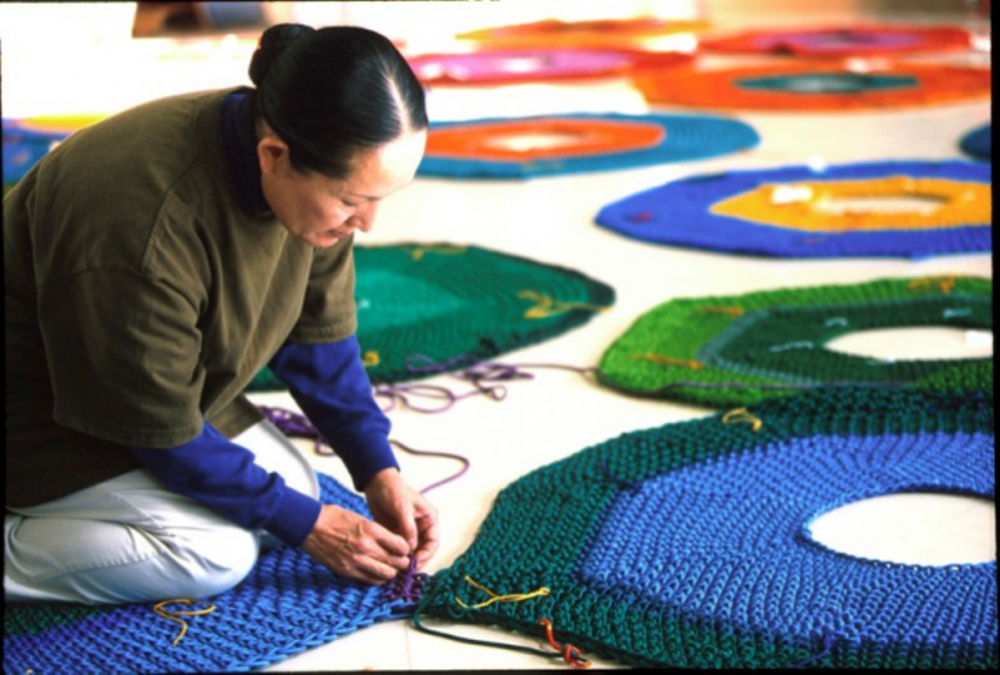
294,517
330,384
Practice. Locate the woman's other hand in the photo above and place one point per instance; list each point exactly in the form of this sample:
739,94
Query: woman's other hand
404,511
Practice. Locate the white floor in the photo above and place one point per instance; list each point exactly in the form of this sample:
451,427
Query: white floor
551,220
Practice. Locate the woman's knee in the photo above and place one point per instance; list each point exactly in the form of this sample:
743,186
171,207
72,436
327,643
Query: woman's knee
215,564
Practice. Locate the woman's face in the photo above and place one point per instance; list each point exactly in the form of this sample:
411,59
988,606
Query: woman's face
320,210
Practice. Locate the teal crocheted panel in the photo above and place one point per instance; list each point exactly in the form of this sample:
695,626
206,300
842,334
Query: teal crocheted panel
689,545
454,306
286,605
742,349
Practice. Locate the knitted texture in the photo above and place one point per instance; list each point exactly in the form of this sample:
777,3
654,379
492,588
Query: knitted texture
841,41
287,604
741,349
816,86
978,142
786,212
440,303
689,545
681,138
539,64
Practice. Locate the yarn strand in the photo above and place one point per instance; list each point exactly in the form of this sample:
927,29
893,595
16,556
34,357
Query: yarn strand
294,424
173,615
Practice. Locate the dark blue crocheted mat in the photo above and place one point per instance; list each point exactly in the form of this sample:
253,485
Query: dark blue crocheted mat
978,142
687,138
680,213
288,604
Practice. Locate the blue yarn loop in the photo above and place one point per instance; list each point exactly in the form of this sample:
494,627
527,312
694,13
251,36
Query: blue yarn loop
829,639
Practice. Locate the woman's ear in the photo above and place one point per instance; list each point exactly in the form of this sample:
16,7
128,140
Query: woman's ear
272,153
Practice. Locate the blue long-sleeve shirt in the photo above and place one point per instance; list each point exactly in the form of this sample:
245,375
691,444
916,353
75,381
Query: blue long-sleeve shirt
328,382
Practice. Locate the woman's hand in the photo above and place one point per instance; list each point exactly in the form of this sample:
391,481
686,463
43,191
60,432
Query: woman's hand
403,510
354,546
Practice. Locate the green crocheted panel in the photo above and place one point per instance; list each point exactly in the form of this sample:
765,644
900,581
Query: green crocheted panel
688,545
742,349
438,303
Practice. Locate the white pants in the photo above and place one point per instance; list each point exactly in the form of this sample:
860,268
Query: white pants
129,539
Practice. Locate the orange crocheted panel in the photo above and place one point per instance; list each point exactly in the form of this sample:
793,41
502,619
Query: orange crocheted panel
816,86
519,140
596,33
953,203
840,41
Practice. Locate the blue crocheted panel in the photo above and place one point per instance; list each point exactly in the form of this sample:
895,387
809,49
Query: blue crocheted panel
690,545
287,604
978,142
680,213
686,138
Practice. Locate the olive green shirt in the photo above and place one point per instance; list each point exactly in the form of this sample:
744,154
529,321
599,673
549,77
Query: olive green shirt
140,299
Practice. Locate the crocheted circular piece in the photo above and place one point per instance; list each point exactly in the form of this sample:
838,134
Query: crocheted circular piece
510,148
457,305
816,86
689,545
838,42
741,349
27,140
978,142
510,66
595,33
793,211
286,605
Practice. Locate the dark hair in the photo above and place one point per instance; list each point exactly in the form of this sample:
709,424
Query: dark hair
330,92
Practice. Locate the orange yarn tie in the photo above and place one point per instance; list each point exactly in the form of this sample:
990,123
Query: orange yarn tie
670,361
944,283
731,311
570,653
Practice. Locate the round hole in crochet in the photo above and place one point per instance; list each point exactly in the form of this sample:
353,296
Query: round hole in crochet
916,343
914,528
895,204
533,141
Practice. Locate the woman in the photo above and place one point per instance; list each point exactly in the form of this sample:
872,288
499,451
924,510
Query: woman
154,262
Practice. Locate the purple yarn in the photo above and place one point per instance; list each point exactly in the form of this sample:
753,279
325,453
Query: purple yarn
478,374
294,424
408,585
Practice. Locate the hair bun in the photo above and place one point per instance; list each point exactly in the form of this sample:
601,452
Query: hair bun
272,43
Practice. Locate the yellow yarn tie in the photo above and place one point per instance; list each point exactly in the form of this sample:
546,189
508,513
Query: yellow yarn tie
370,359
741,415
670,361
547,306
512,597
173,614
417,252
944,283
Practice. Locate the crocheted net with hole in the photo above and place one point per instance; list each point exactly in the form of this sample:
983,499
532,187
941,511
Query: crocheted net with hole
687,138
742,349
688,545
841,41
288,604
817,87
446,302
739,212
